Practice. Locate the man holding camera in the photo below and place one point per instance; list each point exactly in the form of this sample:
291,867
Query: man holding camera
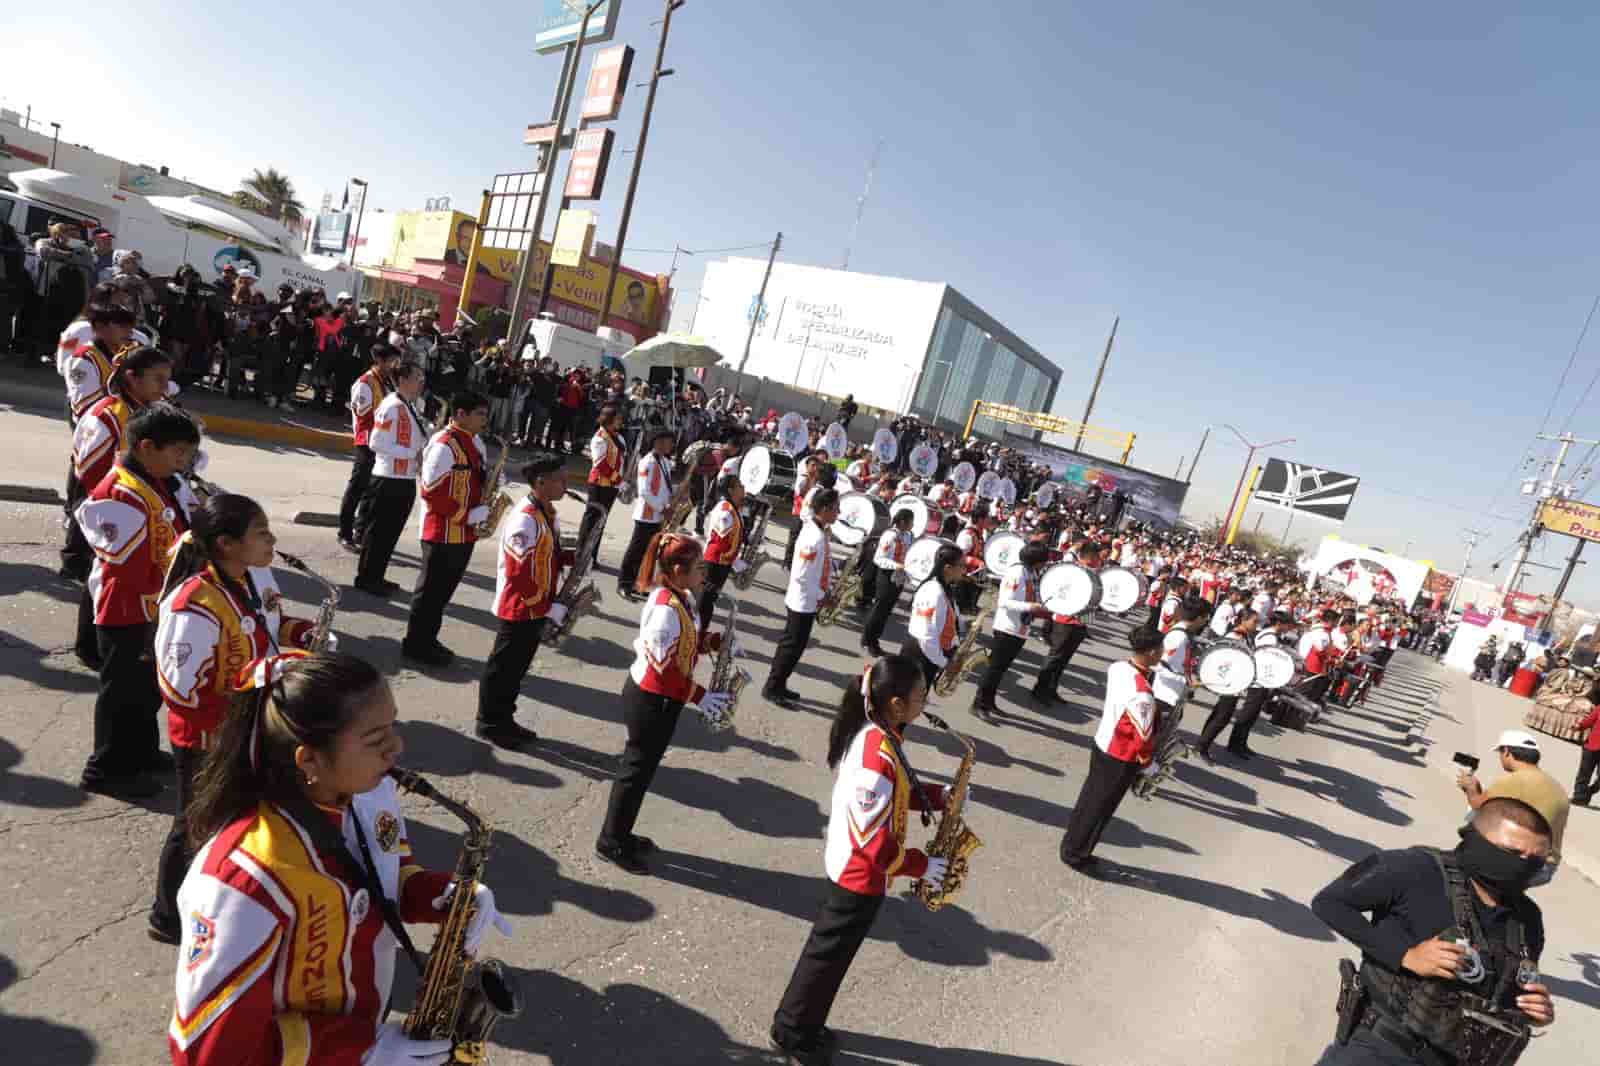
1524,779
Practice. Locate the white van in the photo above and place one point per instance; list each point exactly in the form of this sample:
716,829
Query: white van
567,345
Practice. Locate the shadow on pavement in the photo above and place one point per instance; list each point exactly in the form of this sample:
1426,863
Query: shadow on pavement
30,577
748,803
29,663
29,790
39,1040
1271,908
435,750
1585,991
1279,823
867,1049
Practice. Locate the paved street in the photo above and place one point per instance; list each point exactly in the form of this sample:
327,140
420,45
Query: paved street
1202,950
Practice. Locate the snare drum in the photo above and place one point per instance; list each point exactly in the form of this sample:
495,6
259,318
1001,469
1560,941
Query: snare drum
1227,668
1275,666
919,557
1069,589
925,517
964,475
1000,551
1121,589
860,516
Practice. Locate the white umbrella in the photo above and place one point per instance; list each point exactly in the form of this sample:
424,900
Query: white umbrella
672,349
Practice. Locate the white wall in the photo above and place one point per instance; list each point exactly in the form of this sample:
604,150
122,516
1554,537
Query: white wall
828,331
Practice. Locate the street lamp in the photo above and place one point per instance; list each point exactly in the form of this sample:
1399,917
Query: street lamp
54,141
360,214
1227,522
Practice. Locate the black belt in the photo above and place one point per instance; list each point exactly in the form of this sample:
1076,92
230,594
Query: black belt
1405,1040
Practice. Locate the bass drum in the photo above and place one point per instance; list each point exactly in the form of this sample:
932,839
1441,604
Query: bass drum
835,440
1121,589
965,475
1000,551
920,556
1007,491
1069,589
989,485
861,516
884,446
1227,668
1275,666
793,437
763,471
924,461
925,517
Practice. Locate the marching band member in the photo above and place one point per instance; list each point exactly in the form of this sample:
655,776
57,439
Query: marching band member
452,483
1228,612
943,496
1015,609
860,470
889,559
1263,602
607,455
658,685
649,508
293,907
1274,631
1172,602
722,550
366,395
220,609
133,520
971,540
935,627
873,792
1243,629
397,441
886,488
967,501
527,577
1124,745
803,486
810,577
1067,634
1175,672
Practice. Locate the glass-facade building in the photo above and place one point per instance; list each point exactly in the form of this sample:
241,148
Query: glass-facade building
972,357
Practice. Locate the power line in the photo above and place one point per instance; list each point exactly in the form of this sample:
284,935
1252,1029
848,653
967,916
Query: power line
699,251
1581,334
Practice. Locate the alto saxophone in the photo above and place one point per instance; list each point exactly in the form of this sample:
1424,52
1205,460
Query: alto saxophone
1169,748
323,627
967,658
502,501
460,998
752,554
845,586
578,598
954,841
726,673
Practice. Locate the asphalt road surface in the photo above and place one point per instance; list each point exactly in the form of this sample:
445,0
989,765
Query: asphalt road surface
1201,949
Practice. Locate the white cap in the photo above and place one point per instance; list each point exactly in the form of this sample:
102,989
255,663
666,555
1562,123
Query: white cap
341,296
1517,738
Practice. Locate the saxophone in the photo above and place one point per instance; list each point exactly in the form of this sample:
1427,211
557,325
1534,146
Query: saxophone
1169,748
846,586
578,598
323,627
726,673
967,658
954,840
628,491
459,998
502,501
752,554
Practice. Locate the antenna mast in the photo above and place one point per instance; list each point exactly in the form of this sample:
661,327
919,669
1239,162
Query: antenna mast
861,202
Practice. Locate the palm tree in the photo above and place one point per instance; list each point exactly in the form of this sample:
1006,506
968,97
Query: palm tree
276,193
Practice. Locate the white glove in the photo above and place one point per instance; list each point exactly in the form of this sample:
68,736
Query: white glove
201,460
485,915
478,514
716,703
557,613
332,644
937,868
173,388
394,1048
740,566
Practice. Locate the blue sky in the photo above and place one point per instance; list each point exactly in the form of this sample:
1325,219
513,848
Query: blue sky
1367,226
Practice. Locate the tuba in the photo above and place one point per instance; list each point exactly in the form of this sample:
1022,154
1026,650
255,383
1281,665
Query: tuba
578,598
726,673
323,626
459,998
501,501
967,658
954,841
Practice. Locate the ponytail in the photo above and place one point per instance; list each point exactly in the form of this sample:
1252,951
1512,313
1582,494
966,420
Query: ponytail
223,515
884,679
134,360
665,553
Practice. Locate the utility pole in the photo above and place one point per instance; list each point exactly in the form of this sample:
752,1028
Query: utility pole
755,312
1546,489
1472,537
1203,438
1095,391
1176,474
1547,623
656,74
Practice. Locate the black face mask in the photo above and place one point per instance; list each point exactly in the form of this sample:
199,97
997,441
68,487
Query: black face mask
1503,872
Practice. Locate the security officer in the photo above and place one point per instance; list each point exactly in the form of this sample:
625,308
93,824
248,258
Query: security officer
1451,931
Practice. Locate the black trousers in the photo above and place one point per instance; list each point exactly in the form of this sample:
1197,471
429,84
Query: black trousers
794,537
1064,641
175,853
1366,1048
356,506
1104,786
796,632
842,924
913,651
628,572
514,646
1245,720
601,497
1220,715
392,498
651,720
1585,786
76,556
443,566
700,492
869,581
126,736
884,598
716,576
1003,651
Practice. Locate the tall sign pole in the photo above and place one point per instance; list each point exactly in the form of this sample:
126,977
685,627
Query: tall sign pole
1543,490
1098,375
755,312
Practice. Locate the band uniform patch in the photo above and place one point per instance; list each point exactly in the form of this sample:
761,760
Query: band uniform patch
202,935
271,600
387,828
178,654
108,533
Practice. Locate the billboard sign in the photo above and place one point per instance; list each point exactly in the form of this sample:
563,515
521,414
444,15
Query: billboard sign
1581,520
332,233
560,20
574,235
591,154
1310,490
608,82
1151,498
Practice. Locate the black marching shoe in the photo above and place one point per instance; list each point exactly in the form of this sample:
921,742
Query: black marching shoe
641,845
1044,696
1204,751
984,713
129,788
161,764
163,932
507,735
784,699
437,655
1241,752
620,855
873,650
817,1053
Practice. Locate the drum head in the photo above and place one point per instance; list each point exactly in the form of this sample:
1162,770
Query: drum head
1121,590
924,460
988,484
964,475
860,516
1070,589
1275,666
921,511
1227,668
755,469
793,437
1007,491
1046,494
884,446
836,441
920,556
1000,551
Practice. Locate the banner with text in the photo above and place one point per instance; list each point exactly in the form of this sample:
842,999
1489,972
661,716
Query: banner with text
1151,498
1581,520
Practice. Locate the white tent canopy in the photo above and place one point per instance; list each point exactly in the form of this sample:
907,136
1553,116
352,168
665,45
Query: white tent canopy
1409,575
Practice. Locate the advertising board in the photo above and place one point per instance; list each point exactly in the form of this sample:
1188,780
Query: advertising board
560,20
1151,498
1581,520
